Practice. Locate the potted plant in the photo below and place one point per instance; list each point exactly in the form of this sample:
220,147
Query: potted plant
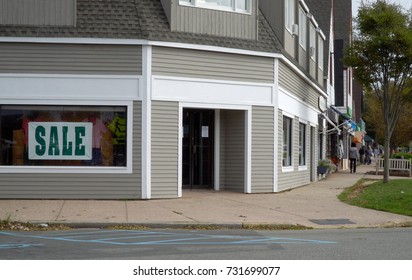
326,166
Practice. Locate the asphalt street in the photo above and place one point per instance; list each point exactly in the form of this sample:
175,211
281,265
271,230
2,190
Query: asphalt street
100,244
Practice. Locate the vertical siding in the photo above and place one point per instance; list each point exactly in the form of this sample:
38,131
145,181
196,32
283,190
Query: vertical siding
79,186
296,178
290,43
320,76
296,85
262,149
274,14
165,125
38,12
70,59
233,150
312,68
214,22
211,65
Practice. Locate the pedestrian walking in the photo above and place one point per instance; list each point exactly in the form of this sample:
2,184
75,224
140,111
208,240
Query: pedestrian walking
369,154
362,152
353,157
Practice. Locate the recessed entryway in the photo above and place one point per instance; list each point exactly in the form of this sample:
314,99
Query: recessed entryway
198,148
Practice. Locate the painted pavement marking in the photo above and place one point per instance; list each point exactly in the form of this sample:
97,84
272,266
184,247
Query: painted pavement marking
129,238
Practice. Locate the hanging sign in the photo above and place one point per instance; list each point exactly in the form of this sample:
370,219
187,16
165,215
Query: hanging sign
322,104
60,140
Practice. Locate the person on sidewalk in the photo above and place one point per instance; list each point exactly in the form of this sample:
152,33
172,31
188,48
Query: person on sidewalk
353,157
362,151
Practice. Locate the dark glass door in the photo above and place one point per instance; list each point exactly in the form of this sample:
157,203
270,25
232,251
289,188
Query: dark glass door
198,148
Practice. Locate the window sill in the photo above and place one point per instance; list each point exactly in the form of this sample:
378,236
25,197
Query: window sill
215,8
287,169
303,168
65,169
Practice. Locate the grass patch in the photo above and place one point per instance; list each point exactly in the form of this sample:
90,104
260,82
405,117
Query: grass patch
274,227
7,224
394,196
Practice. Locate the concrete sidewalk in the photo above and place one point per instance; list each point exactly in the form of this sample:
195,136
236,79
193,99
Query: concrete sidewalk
315,205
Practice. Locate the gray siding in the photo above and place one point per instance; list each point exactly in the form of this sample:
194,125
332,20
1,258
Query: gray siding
232,153
289,80
320,76
213,22
165,125
303,57
290,43
262,149
38,12
273,11
312,68
70,59
212,65
295,178
79,186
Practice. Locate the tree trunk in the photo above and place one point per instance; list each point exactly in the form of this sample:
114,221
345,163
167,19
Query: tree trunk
386,154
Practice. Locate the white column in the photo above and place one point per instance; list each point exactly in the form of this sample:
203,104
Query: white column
146,122
217,150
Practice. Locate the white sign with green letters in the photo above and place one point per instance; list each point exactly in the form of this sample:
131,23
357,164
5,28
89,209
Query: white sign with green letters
60,140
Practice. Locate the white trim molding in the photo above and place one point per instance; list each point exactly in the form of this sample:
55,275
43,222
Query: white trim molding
69,87
147,123
128,169
211,91
248,144
289,104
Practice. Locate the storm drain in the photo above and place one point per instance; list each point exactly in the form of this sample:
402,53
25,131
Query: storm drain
325,222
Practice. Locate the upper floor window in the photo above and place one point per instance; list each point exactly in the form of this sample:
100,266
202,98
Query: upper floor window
312,41
243,6
287,142
289,14
302,28
302,144
320,52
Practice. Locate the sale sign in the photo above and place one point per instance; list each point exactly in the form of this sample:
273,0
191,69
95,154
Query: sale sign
60,140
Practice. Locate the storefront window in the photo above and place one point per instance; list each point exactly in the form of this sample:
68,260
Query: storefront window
63,135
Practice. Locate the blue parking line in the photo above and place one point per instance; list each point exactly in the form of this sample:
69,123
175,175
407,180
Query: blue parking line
172,238
18,245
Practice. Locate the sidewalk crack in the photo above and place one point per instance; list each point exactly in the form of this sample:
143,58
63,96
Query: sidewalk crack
61,210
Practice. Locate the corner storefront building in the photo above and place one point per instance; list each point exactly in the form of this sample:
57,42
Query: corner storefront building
125,101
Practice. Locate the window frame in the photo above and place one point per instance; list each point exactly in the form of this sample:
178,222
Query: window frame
302,144
303,28
289,15
287,132
233,8
321,46
312,41
79,169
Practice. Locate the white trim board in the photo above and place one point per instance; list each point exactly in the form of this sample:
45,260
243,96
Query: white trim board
75,169
291,106
211,91
69,87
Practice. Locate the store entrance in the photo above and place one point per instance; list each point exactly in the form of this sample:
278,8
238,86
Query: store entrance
198,148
